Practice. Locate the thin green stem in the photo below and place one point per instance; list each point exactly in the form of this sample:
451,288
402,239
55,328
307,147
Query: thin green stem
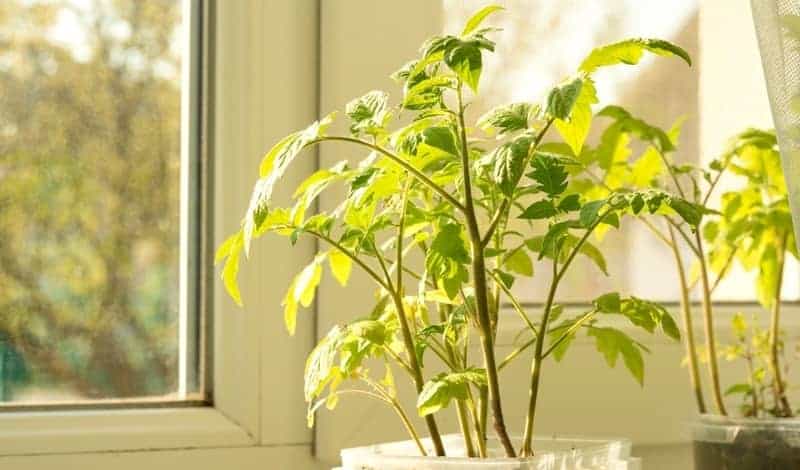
419,175
461,405
515,303
536,363
686,309
513,355
367,269
774,333
570,331
401,413
671,172
708,317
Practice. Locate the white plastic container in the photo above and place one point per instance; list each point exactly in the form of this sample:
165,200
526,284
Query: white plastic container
556,453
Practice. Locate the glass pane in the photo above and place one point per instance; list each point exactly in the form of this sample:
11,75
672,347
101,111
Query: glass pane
540,46
90,173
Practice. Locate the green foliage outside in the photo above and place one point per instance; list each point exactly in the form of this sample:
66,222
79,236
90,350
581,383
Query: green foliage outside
89,188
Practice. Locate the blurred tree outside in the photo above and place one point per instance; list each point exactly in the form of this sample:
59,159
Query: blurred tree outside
89,199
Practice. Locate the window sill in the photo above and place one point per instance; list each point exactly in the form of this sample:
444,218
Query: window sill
39,433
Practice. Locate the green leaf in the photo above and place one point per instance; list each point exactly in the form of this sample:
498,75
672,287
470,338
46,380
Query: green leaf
438,139
273,167
739,389
508,163
612,343
768,277
446,258
569,203
507,118
477,18
650,315
543,209
625,122
230,250
550,174
371,330
341,266
427,92
575,129
321,363
441,389
368,114
520,263
630,52
590,212
302,291
646,168
593,253
466,60
563,97
608,303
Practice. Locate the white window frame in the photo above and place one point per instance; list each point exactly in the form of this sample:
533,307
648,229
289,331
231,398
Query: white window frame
264,84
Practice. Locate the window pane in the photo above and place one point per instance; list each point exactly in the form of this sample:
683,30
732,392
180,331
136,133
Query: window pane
90,184
540,46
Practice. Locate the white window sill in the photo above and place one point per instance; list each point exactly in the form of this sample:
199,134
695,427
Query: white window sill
49,432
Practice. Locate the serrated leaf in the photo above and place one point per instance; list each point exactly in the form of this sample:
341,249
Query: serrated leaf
273,167
543,209
508,163
506,118
612,343
563,97
590,212
466,60
608,303
569,203
477,18
440,390
630,52
368,113
575,128
550,175
321,363
739,389
446,258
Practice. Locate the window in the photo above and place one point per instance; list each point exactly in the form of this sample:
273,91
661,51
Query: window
92,294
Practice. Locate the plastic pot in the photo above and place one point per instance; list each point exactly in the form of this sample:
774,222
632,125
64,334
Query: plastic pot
722,443
555,453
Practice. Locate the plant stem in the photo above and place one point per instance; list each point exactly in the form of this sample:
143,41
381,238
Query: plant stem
481,290
572,329
480,436
691,348
708,317
419,175
515,304
536,363
536,367
408,341
774,333
401,413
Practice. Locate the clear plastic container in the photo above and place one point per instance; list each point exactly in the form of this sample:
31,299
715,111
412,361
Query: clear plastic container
555,453
724,443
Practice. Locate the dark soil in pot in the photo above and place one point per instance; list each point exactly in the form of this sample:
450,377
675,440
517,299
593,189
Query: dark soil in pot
761,449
